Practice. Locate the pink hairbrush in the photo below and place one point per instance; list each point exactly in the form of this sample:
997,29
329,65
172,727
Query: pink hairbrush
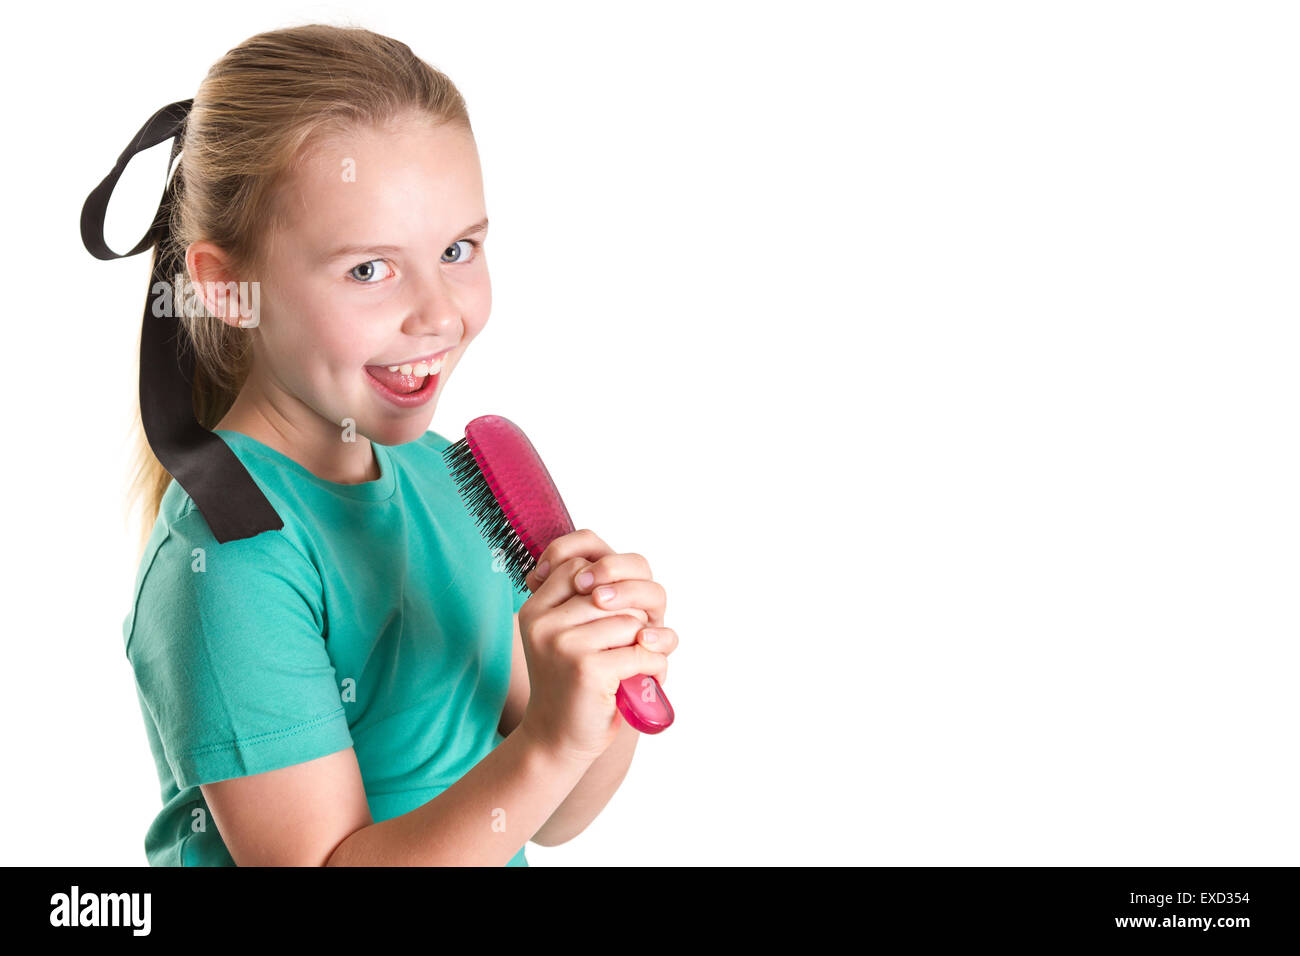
519,511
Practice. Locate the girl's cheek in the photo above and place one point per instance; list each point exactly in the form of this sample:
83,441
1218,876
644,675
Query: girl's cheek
475,322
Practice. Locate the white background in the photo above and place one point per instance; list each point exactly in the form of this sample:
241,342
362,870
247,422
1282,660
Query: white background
940,358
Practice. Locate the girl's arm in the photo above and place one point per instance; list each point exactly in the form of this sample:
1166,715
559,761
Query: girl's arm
315,813
592,792
597,785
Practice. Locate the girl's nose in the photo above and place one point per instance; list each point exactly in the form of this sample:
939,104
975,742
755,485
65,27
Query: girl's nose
434,310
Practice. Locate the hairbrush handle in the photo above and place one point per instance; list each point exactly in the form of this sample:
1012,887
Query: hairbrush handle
519,511
642,703
640,699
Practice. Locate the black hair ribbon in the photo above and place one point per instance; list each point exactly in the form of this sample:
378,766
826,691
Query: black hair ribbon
211,474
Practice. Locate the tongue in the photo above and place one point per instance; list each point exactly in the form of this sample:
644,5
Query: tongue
395,380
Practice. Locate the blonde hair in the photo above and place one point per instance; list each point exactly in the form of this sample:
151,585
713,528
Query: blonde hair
259,109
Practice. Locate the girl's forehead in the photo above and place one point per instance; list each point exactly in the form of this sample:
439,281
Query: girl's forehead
389,175
433,146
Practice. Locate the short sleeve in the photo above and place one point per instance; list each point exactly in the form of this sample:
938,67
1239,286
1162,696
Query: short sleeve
228,649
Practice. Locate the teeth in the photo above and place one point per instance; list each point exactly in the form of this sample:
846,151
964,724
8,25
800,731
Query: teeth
419,369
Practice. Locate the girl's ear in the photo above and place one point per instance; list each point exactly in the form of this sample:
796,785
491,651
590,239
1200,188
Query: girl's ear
233,301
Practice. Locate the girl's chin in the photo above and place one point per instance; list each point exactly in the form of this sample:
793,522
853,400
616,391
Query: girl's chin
399,429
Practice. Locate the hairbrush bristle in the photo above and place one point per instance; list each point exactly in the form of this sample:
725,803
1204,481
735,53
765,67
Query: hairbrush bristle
488,513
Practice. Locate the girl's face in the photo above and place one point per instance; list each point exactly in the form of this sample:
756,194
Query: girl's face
379,262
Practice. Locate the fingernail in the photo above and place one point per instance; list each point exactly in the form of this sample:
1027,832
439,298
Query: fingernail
605,593
543,569
650,636
585,579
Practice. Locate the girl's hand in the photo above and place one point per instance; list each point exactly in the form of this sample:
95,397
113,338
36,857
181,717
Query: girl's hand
579,644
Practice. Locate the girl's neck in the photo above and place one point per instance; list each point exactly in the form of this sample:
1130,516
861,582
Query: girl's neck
320,447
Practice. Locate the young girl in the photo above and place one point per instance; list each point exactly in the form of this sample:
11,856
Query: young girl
329,668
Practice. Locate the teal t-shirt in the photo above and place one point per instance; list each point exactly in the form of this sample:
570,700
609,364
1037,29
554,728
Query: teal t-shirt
374,619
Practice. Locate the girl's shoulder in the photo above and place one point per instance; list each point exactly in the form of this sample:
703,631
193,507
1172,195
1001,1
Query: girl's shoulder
180,526
187,579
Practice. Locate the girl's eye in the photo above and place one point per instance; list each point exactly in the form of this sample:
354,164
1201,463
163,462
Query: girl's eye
459,257
365,272
369,274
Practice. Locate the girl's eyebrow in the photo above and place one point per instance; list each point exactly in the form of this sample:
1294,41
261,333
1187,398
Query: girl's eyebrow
354,248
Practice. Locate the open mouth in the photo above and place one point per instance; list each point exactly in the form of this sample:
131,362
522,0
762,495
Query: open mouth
409,385
402,384
405,384
410,378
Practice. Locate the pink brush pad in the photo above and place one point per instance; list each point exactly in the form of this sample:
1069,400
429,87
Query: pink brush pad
520,482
